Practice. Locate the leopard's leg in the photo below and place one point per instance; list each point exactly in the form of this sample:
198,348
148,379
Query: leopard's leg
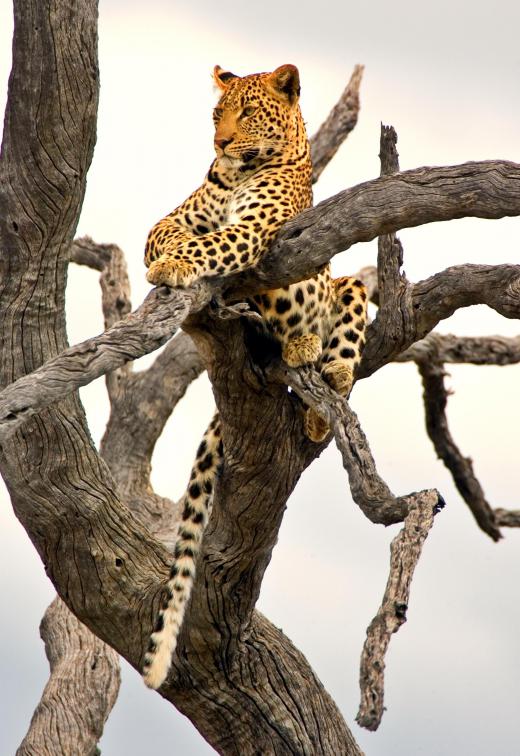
197,507
344,346
295,316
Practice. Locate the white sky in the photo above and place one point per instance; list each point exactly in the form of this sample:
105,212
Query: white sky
446,76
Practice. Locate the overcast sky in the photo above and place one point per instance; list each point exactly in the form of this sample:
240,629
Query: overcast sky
446,75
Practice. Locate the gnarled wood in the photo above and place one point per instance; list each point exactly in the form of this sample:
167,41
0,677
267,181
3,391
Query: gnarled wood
236,676
104,564
81,691
405,551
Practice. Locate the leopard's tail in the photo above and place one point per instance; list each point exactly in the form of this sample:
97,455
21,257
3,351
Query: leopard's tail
197,506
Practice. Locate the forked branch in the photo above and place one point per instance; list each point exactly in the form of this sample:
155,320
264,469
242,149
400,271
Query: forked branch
484,189
368,489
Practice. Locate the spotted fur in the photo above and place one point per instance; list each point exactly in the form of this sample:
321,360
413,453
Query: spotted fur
260,178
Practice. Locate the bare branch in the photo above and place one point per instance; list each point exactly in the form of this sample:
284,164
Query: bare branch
486,189
103,562
420,306
337,126
508,518
158,389
435,400
140,408
475,350
84,251
143,331
140,405
405,551
81,690
110,260
390,280
368,489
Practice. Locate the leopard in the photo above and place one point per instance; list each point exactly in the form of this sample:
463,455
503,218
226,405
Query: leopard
260,178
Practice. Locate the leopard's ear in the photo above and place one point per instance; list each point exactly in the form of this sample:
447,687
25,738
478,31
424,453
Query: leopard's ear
285,83
222,78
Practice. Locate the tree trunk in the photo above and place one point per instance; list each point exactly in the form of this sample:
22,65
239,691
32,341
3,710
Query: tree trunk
105,566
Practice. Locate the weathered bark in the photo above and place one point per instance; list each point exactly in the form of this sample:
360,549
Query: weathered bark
237,677
337,126
405,551
368,489
418,308
42,179
474,350
81,691
435,399
140,404
104,564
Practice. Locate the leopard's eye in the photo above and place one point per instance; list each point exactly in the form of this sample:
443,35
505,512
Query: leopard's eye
249,110
217,114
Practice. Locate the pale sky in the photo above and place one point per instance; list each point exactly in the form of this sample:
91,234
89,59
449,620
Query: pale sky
446,76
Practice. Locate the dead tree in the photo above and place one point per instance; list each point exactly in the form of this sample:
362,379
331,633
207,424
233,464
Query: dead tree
103,535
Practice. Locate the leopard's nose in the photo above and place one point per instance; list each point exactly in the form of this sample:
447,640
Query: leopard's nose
222,143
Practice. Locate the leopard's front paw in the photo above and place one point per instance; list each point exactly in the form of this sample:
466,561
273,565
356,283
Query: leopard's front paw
302,350
172,273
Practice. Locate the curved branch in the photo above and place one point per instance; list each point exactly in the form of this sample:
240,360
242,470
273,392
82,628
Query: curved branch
141,332
140,408
435,399
405,551
419,307
475,350
81,690
84,251
104,564
368,489
488,189
337,126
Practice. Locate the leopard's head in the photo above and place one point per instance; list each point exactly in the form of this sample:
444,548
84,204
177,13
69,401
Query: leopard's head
256,115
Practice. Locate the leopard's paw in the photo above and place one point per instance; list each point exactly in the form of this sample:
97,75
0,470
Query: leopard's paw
172,273
339,376
315,427
302,350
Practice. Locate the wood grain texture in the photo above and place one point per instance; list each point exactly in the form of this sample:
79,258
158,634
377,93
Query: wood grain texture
81,690
244,685
237,677
47,145
368,489
405,551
